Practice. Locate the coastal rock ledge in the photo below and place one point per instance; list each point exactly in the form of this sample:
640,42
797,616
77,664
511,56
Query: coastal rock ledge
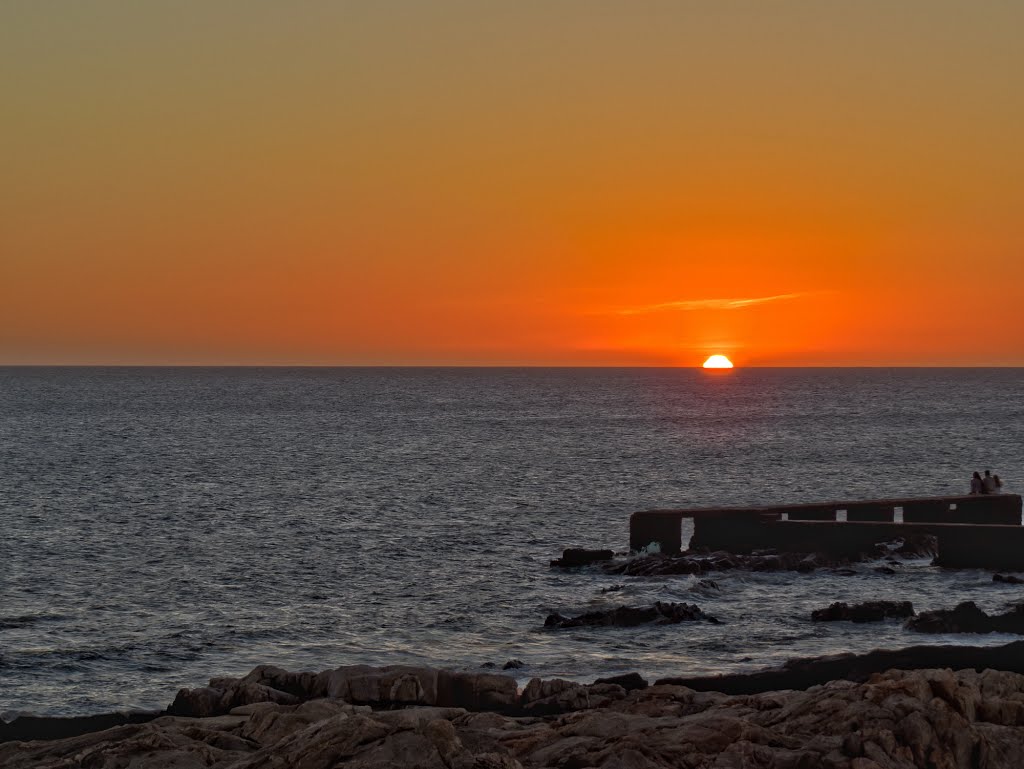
388,686
897,719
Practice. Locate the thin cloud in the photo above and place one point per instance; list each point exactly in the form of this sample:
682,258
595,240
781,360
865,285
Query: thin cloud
685,305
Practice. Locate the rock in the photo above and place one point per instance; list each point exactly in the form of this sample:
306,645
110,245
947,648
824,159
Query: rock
578,556
271,723
1009,579
630,681
898,719
244,693
25,728
324,744
559,696
815,671
706,584
807,564
612,589
255,707
652,565
768,563
966,617
723,561
388,685
476,691
701,562
301,685
539,689
513,665
197,703
143,746
918,546
870,611
631,616
228,694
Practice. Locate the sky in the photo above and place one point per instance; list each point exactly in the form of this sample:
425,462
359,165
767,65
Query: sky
567,182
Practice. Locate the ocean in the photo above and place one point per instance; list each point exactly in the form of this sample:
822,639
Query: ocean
159,526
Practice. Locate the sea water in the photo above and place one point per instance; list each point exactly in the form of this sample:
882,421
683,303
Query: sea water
161,526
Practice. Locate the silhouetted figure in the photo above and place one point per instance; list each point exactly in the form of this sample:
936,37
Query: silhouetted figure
998,483
977,486
988,483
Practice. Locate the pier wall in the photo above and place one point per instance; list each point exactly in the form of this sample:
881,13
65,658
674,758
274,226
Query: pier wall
742,529
839,540
665,526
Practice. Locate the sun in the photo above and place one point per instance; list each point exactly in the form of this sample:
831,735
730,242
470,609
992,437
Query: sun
718,361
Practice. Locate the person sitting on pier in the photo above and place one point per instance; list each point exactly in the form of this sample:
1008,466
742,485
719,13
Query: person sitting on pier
977,486
988,484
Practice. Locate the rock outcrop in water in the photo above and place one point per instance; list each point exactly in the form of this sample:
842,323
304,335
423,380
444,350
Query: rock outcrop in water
869,611
916,546
1008,579
630,616
703,561
968,618
578,556
895,720
692,562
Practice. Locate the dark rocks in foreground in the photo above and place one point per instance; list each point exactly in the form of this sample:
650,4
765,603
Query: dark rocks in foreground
630,616
816,671
630,681
966,617
26,728
869,611
392,685
900,720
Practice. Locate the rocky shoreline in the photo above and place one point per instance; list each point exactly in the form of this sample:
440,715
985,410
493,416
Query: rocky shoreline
928,706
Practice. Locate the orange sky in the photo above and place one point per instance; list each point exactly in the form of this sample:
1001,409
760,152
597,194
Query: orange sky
523,183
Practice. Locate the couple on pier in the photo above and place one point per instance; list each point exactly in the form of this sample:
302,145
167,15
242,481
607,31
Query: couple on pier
990,484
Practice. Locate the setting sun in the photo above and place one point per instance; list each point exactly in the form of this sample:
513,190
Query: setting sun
718,361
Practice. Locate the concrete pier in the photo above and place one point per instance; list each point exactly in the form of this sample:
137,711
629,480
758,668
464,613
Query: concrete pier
973,531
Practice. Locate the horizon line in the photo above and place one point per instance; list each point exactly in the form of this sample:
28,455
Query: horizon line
484,366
